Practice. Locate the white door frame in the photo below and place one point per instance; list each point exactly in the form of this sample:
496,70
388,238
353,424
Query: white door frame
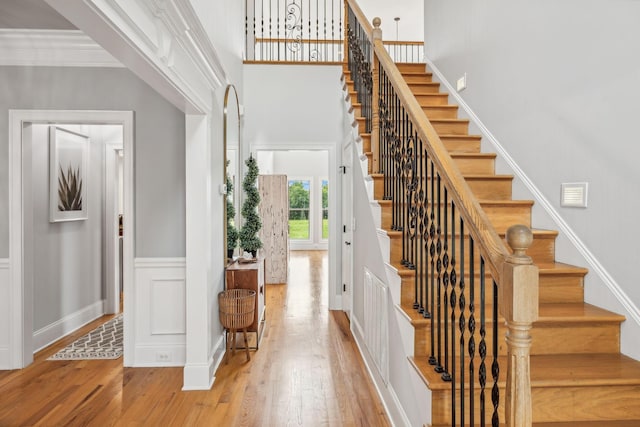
112,246
335,269
346,235
20,316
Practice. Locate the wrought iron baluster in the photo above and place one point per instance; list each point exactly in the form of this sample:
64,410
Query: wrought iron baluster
495,367
412,184
432,257
325,23
246,27
461,322
483,345
453,280
332,28
438,202
420,230
472,330
340,29
446,375
270,48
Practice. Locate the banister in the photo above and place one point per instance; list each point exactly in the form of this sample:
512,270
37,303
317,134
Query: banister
360,16
491,243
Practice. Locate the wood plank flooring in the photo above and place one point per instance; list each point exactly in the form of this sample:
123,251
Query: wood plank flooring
308,372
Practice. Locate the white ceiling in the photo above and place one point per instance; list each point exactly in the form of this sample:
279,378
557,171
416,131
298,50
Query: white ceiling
31,14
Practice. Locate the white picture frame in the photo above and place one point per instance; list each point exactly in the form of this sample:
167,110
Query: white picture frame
68,175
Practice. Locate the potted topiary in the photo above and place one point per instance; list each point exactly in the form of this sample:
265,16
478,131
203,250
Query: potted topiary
232,231
249,240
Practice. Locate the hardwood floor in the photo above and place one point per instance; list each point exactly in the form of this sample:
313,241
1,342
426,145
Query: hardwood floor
308,372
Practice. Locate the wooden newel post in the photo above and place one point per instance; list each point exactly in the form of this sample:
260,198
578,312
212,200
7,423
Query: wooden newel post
375,118
519,306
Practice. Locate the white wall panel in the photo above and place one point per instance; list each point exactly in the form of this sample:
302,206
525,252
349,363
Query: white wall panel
160,319
4,314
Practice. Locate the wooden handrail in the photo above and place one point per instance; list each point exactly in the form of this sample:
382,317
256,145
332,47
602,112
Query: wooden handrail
402,43
360,16
493,246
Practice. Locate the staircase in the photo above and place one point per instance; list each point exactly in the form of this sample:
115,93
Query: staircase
578,375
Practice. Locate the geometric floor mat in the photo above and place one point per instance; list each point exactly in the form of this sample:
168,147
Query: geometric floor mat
104,342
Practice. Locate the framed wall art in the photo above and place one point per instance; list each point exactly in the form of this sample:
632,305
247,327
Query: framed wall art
68,174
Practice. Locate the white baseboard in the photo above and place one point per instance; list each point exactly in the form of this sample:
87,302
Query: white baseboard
388,397
5,319
594,265
63,327
160,355
200,376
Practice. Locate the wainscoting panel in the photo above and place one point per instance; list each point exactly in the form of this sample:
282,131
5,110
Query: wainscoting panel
376,337
5,314
160,327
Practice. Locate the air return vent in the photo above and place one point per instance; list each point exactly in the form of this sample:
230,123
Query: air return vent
574,195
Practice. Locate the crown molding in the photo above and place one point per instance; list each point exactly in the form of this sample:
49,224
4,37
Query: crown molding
54,48
162,41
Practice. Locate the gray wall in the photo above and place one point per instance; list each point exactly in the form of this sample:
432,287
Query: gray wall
159,143
557,84
67,256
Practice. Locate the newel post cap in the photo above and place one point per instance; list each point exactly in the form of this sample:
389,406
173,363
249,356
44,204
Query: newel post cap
519,237
377,31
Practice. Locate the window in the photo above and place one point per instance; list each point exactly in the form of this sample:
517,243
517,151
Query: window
325,209
299,198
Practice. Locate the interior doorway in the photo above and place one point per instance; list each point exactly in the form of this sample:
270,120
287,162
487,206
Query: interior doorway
65,241
313,167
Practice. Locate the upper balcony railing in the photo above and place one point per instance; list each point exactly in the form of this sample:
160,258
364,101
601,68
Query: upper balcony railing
294,30
306,31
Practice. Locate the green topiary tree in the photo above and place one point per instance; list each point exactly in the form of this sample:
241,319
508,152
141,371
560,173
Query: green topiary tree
249,240
232,231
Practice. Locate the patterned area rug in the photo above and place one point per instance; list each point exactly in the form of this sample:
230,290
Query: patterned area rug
104,342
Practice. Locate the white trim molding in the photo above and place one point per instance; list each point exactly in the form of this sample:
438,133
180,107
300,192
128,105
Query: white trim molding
194,373
160,322
74,321
632,310
54,48
19,316
163,42
5,301
335,208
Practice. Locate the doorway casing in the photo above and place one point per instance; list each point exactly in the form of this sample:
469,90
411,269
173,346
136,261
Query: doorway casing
20,316
335,273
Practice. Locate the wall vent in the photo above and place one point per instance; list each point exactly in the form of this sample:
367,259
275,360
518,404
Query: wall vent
376,335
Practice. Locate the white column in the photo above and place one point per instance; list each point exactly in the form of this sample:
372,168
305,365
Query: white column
198,370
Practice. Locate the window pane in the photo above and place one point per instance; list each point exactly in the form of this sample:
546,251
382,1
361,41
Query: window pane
299,209
325,209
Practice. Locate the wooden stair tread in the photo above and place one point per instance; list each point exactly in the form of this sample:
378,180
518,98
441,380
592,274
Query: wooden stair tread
575,312
560,267
416,73
543,268
555,370
604,423
461,155
548,313
584,370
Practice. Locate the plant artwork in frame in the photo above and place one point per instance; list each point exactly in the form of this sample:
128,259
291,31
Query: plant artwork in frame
68,162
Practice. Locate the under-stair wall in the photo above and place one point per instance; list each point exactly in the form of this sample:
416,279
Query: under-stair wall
405,397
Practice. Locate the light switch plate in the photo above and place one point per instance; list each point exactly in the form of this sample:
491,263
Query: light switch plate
462,83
